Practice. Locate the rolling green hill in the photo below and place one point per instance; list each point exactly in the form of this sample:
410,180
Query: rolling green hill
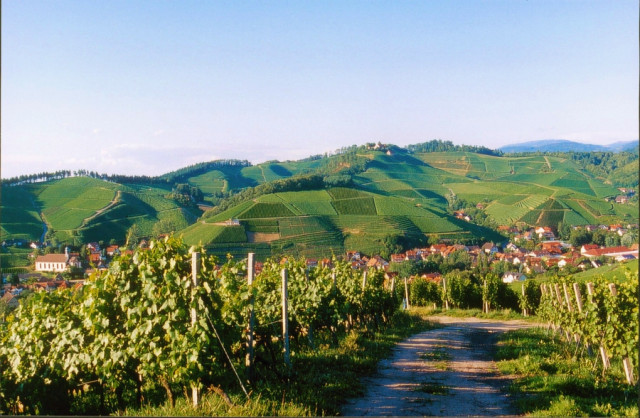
322,222
82,209
360,198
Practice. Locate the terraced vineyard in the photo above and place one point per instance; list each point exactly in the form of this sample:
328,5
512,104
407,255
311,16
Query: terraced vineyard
19,215
321,222
83,209
395,194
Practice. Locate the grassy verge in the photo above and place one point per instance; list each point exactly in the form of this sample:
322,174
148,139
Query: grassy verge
321,382
502,314
559,379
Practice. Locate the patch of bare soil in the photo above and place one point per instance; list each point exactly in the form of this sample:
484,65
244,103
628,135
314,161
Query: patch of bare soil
261,237
446,371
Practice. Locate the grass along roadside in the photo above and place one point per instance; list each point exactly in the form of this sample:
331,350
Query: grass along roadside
497,314
554,378
321,382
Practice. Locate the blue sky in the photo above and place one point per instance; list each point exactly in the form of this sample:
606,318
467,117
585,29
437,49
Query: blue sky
145,87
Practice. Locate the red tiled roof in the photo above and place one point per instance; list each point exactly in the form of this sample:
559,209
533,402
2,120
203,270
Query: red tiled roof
52,258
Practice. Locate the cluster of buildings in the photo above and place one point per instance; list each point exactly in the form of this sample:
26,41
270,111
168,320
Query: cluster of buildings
55,265
623,198
548,253
96,257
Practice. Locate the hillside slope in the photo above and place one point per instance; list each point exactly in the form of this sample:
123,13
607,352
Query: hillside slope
82,209
368,198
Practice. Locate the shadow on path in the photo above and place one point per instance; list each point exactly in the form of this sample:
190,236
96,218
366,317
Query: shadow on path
446,371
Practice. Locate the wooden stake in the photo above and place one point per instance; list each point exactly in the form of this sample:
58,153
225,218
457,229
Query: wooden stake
566,297
603,353
444,290
310,329
249,359
364,280
195,270
626,362
406,292
524,310
285,318
485,303
576,291
557,289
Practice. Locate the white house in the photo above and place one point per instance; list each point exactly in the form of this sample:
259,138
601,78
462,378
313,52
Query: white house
52,262
545,232
511,276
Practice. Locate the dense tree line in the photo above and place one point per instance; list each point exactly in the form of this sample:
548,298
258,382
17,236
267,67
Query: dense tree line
183,174
32,178
620,168
188,192
438,145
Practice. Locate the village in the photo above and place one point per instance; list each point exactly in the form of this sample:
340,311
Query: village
526,254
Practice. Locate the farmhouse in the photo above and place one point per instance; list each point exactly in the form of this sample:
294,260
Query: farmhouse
377,262
545,232
622,199
490,248
553,247
611,252
113,250
52,262
510,277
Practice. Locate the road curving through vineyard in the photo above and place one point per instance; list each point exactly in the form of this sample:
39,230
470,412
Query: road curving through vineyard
445,371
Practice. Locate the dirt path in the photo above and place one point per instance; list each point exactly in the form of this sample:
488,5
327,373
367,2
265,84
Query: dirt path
116,199
446,371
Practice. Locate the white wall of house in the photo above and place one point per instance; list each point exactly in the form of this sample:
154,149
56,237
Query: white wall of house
46,266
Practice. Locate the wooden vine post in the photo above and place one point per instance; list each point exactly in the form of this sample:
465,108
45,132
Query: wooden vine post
485,303
524,298
406,292
310,329
578,294
547,291
603,353
195,270
364,280
556,287
285,318
444,290
249,359
576,337
626,362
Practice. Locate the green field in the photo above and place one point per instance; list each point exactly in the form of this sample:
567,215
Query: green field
67,203
398,194
206,233
81,209
19,215
614,272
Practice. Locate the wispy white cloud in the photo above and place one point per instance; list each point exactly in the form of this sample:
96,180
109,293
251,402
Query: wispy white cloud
145,159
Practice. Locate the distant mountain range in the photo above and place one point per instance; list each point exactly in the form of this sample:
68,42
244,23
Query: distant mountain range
563,145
